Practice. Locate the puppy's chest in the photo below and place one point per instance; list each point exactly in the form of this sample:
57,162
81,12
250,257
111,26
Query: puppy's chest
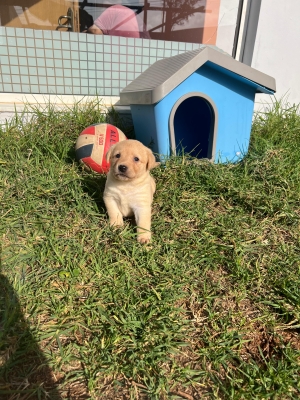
131,199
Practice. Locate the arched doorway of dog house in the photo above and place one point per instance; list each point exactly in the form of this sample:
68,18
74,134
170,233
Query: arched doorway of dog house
193,126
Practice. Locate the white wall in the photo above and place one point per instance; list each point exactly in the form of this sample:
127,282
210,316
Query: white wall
277,48
12,103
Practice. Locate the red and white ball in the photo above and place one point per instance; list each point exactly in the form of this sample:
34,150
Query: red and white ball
93,144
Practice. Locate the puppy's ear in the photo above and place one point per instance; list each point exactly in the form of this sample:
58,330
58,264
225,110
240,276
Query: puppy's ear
152,163
109,152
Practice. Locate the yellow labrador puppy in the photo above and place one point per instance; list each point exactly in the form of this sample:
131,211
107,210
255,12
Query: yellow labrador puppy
129,187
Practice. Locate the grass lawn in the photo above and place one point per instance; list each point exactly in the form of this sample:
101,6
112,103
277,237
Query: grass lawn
209,310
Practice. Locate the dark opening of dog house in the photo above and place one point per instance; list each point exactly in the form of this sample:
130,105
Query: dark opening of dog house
192,123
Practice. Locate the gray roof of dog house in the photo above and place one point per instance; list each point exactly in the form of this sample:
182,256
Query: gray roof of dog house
166,74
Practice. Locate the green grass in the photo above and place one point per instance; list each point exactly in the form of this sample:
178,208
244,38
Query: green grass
209,310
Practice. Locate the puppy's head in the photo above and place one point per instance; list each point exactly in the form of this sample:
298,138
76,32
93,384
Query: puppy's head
130,159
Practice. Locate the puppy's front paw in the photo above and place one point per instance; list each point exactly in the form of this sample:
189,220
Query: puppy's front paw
144,238
116,224
116,221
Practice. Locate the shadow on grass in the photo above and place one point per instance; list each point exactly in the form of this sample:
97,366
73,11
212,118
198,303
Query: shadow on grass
24,372
93,185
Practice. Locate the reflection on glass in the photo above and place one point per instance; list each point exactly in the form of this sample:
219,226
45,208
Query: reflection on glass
177,20
40,14
119,20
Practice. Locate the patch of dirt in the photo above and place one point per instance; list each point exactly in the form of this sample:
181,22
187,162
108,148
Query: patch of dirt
260,345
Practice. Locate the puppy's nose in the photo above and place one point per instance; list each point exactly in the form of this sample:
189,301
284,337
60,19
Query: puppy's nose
122,168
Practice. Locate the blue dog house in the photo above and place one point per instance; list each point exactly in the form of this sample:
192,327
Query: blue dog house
201,101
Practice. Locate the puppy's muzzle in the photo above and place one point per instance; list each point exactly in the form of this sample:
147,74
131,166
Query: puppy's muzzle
122,168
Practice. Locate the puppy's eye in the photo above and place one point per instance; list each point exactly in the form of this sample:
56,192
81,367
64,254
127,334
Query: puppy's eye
118,155
136,159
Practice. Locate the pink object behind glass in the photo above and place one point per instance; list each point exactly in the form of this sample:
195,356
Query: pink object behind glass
121,21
